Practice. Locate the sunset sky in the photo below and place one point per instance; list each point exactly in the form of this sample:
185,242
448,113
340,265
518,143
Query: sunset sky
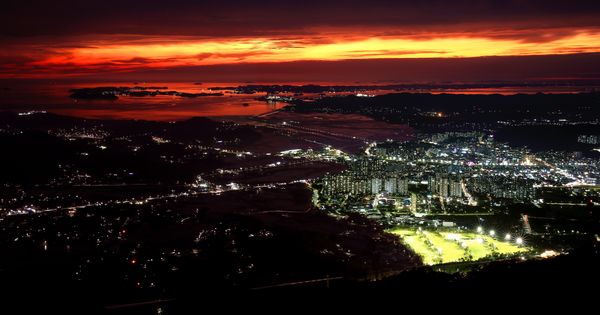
387,41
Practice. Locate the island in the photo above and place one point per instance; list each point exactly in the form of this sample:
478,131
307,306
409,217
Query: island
113,93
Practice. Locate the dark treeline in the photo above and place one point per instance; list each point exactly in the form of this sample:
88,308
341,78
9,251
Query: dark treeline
562,280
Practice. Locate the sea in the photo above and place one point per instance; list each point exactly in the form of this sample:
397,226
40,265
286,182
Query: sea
54,97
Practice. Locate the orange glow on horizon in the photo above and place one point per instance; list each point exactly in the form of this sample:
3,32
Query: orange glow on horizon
100,56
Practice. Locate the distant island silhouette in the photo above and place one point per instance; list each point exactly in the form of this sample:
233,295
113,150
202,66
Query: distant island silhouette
113,93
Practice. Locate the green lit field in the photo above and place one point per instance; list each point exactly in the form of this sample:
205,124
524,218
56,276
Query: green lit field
451,251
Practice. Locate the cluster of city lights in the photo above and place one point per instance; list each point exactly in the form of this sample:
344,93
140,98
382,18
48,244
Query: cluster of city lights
507,237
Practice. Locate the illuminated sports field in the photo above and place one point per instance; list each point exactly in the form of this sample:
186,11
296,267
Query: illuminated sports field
450,250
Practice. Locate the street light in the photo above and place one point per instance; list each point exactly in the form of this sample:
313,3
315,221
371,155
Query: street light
492,233
479,229
507,237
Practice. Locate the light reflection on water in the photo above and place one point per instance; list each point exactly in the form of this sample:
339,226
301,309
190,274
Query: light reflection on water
54,97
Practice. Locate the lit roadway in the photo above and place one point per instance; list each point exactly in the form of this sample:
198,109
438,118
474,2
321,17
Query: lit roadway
298,282
282,211
367,150
321,132
471,201
564,173
284,125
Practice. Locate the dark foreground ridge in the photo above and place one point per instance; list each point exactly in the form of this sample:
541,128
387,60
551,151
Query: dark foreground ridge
565,280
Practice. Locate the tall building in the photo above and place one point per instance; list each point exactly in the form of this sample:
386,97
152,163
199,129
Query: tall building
456,188
396,185
503,187
590,139
445,185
